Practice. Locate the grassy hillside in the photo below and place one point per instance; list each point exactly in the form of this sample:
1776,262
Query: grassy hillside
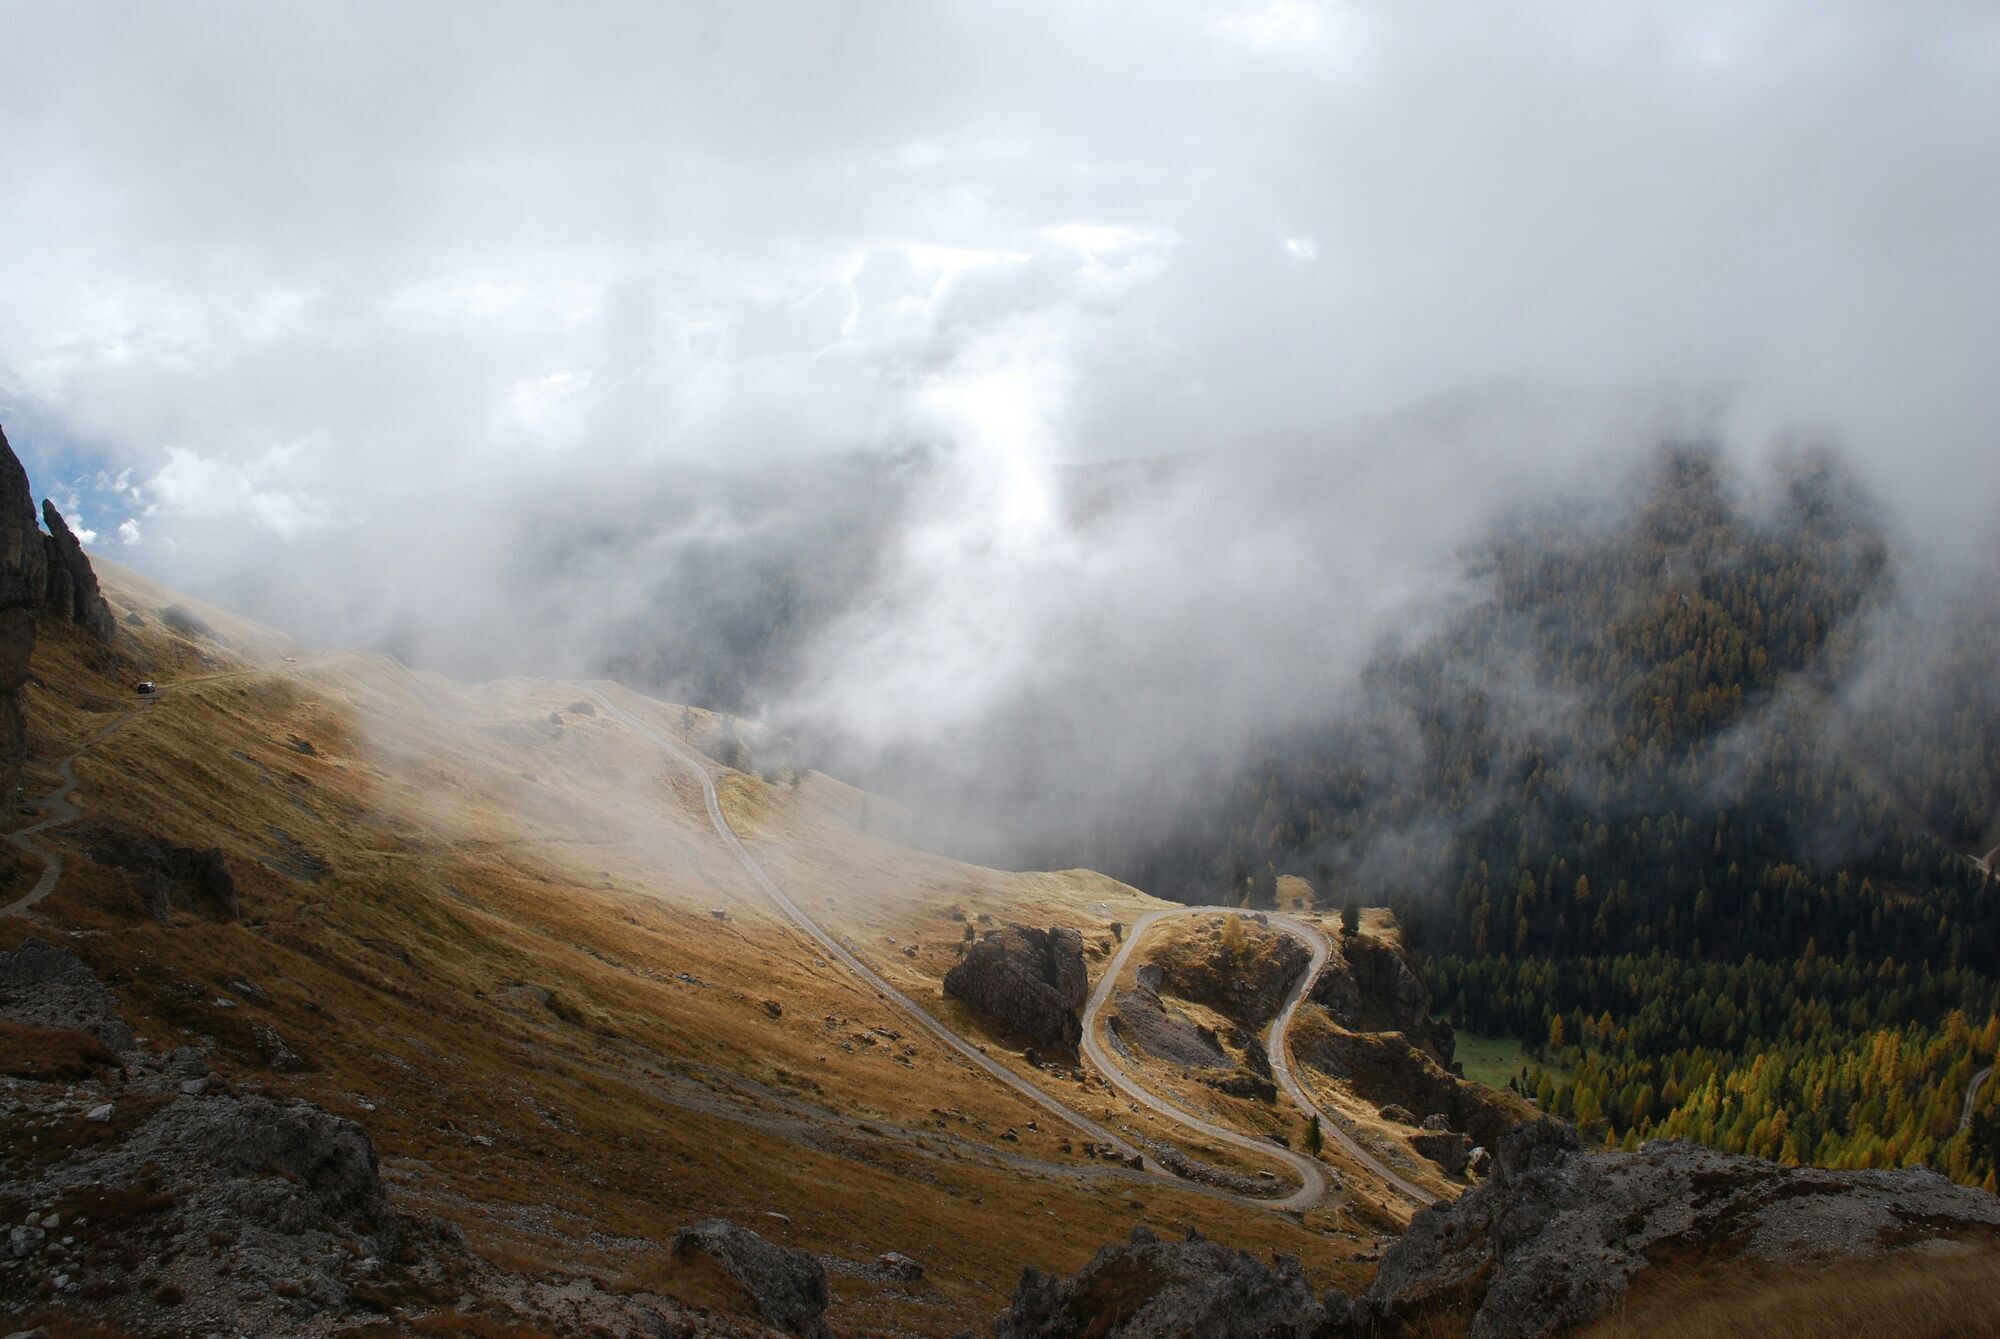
496,929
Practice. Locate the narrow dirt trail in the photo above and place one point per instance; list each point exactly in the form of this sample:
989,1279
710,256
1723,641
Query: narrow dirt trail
59,809
1277,1039
1972,1095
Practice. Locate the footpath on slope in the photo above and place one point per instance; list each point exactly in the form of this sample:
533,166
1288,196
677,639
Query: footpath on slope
57,802
1277,1049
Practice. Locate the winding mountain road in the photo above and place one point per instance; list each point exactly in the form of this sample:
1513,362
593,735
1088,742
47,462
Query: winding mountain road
1972,1095
1310,1171
1312,1175
1313,1180
834,949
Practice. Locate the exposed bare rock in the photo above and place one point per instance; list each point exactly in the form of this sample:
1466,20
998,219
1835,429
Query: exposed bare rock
785,1288
1448,1149
1556,1235
200,876
1369,987
1140,1017
86,606
1032,982
1153,1289
45,986
23,585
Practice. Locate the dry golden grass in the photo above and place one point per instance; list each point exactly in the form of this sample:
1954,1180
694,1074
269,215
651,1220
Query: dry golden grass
51,1055
1946,1291
489,935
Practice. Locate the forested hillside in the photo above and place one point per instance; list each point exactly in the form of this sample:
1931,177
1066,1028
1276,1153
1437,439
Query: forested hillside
1686,796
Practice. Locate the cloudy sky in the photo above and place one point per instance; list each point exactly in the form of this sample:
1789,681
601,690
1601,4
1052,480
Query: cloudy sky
301,266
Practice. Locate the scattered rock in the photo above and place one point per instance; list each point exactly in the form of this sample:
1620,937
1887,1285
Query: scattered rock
786,1288
1030,981
293,1193
899,1267
1401,1115
773,1008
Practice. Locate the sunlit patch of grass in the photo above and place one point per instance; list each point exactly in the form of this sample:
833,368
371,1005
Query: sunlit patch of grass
1944,1292
1488,1060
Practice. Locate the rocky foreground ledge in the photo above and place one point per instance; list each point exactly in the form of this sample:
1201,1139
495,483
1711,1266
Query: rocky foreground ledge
1551,1240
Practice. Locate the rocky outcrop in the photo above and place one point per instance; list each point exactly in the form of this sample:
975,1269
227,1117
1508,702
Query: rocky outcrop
258,1213
1450,1150
1249,984
36,571
1384,1068
1154,1289
23,584
152,1191
787,1289
1555,1236
1368,987
84,604
45,986
1032,982
201,876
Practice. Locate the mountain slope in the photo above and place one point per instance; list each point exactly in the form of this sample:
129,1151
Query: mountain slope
492,926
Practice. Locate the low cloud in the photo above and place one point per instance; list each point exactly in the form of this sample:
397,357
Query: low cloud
661,340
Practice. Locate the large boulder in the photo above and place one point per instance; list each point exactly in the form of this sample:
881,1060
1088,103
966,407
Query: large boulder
1556,1235
1450,1150
289,1166
1154,1289
1032,982
787,1289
